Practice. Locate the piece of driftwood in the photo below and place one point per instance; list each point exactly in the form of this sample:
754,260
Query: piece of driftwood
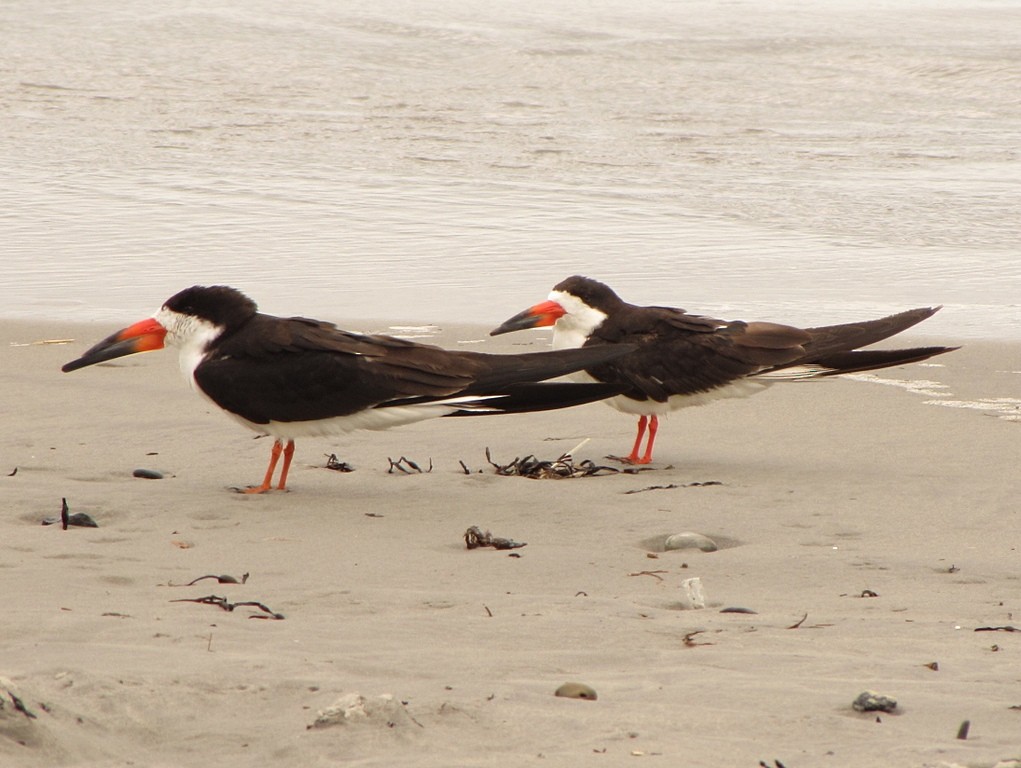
228,606
798,623
222,579
474,538
689,639
406,465
801,623
671,486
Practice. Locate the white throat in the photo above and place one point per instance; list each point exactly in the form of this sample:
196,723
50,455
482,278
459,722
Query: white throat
192,337
577,323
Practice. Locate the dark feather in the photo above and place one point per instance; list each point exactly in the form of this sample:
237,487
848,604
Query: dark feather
293,369
874,359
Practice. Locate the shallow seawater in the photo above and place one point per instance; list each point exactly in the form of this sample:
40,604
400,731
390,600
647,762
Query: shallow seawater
802,162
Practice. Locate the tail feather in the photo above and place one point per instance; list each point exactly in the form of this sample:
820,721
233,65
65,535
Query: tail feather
873,359
854,362
830,339
528,398
497,372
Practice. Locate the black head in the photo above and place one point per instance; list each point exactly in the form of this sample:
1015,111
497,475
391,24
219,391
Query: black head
595,294
218,304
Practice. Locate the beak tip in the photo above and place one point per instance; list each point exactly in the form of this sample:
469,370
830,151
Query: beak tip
74,365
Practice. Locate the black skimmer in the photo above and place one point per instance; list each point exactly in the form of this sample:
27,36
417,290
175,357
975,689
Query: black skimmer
684,360
295,377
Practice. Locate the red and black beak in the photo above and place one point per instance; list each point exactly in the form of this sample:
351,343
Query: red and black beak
538,316
143,336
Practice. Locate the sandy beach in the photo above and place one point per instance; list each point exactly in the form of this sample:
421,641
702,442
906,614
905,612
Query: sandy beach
800,162
871,528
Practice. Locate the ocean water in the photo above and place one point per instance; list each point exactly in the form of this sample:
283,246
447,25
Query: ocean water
804,161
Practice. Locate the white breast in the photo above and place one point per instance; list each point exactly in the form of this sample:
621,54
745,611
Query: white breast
738,389
372,418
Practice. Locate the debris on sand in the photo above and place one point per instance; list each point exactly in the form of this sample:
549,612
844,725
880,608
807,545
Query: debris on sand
475,538
672,486
558,469
1007,628
576,691
223,603
225,578
407,466
385,711
80,519
692,595
332,462
870,701
690,540
17,704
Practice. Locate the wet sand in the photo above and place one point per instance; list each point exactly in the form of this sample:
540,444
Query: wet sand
828,493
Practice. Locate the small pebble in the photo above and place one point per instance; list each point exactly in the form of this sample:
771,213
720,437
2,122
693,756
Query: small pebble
689,540
870,701
148,474
576,691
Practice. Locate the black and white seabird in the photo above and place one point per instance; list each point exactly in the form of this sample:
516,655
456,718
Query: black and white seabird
295,377
683,360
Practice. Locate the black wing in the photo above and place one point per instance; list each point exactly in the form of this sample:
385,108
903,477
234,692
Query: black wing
293,369
682,354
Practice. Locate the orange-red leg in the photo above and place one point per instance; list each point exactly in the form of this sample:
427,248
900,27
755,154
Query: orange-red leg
274,457
632,458
652,423
288,455
653,429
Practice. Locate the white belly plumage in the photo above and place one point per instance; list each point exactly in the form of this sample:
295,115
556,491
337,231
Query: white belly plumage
737,389
373,418
740,388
